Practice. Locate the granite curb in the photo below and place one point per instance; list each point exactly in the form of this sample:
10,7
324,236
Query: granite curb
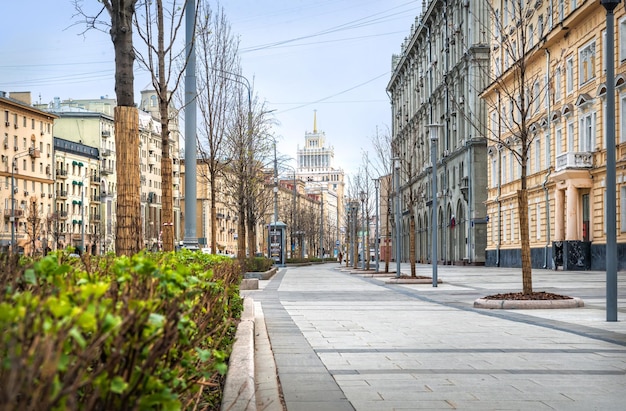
574,302
239,388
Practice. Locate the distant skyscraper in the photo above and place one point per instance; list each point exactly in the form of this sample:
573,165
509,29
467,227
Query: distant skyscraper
316,169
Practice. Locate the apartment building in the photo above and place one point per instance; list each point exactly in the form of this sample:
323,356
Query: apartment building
436,80
77,216
84,128
26,172
565,119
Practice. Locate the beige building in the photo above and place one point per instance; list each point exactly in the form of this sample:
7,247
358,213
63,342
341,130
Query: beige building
26,170
566,117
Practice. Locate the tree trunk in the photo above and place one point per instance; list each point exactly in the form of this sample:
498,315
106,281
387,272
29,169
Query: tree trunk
412,246
128,226
522,205
213,189
167,202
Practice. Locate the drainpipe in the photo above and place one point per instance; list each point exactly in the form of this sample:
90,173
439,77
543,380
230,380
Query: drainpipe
545,182
545,189
499,185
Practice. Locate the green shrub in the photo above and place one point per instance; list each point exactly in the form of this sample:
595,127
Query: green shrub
145,332
258,264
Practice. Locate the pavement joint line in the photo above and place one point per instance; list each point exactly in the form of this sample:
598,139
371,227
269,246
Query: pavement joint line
495,371
581,330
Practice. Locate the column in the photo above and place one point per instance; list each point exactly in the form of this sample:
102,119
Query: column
559,218
571,232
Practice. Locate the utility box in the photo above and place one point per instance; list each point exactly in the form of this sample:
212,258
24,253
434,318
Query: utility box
276,241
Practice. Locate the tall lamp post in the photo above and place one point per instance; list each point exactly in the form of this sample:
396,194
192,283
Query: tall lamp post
433,130
396,168
363,227
609,209
354,207
376,245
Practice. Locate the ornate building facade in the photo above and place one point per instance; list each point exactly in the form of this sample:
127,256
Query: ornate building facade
437,80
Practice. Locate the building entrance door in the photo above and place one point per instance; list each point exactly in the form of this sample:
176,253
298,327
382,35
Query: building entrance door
585,212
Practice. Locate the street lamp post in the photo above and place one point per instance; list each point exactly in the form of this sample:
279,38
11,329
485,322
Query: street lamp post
191,238
396,167
354,206
433,130
609,209
376,245
363,229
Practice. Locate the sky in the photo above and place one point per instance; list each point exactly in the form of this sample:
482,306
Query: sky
328,57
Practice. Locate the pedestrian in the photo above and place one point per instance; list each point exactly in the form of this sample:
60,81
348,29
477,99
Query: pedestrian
340,257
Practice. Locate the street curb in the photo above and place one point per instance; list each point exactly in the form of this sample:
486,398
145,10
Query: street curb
239,388
528,304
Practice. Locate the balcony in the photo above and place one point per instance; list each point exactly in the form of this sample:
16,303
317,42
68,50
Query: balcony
62,215
34,152
95,198
175,193
107,170
17,213
176,180
106,152
151,159
574,160
61,173
61,194
94,217
106,134
151,146
95,179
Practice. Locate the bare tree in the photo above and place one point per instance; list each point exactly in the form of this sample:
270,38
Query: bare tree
33,226
160,28
128,238
382,164
217,56
515,92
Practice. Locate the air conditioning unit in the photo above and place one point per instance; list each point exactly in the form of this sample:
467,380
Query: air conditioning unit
41,133
6,123
15,125
49,195
446,153
43,195
6,145
14,148
25,193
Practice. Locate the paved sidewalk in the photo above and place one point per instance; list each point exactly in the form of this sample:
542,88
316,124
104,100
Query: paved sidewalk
344,341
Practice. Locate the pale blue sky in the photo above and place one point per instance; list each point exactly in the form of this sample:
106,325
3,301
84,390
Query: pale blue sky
333,56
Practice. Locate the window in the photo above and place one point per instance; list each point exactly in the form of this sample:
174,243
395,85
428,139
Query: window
540,27
569,75
622,39
558,142
570,136
531,36
548,150
622,118
561,10
503,170
494,172
512,166
537,155
622,209
587,62
536,96
587,137
557,84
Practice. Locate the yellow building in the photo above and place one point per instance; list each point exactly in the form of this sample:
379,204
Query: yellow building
26,189
556,113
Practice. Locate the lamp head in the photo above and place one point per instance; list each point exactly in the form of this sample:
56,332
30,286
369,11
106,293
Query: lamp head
610,5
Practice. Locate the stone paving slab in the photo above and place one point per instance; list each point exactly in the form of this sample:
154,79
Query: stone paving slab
344,341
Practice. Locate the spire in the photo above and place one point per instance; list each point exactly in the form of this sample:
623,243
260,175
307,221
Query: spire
315,121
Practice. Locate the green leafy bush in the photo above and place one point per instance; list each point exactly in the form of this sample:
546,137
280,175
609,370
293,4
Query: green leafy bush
258,264
101,333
